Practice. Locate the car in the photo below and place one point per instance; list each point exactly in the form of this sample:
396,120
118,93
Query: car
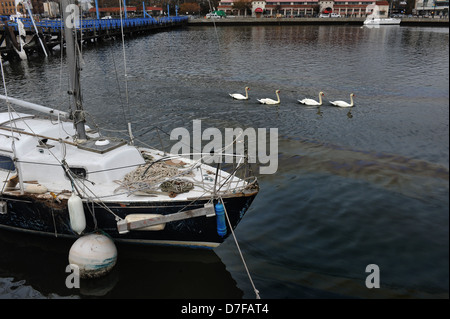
213,15
324,15
335,15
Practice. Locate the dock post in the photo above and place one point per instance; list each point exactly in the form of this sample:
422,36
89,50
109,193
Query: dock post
96,9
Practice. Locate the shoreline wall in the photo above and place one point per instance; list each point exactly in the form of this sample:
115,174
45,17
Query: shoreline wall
236,21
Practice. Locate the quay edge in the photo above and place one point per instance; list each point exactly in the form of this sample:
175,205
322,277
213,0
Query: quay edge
425,22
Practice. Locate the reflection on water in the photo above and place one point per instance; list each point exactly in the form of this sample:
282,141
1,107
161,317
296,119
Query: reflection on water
411,177
34,267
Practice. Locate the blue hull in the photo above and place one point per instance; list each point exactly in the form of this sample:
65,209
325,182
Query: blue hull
30,214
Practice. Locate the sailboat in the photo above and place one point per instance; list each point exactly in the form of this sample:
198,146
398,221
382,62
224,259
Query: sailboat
60,178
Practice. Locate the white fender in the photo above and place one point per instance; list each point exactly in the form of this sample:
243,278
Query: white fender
94,254
76,213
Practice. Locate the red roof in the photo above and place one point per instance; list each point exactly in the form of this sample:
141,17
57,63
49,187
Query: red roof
258,10
382,3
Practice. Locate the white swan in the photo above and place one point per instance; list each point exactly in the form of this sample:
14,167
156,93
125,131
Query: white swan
343,103
270,101
312,102
238,96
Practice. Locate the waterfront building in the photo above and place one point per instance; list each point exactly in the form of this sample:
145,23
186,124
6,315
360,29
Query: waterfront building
132,11
305,8
7,7
51,9
431,8
111,11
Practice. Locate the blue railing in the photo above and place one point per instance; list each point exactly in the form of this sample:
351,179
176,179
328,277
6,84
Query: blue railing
96,24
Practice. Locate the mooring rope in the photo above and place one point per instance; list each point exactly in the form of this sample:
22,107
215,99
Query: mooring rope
239,249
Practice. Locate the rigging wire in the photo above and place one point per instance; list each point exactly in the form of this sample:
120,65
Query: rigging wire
124,56
220,198
13,145
61,49
118,87
239,249
62,163
96,198
214,23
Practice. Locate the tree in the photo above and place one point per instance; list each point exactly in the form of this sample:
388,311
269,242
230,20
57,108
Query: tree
316,9
189,8
245,5
410,6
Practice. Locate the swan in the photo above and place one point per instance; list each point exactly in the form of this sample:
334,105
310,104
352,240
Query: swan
343,103
270,101
312,102
238,96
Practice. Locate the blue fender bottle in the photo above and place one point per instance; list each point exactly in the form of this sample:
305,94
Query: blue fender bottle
220,217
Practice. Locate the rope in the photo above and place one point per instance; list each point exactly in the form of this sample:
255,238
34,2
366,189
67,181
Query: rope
240,252
176,186
148,177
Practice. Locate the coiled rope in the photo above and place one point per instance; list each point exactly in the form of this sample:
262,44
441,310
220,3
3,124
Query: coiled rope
149,177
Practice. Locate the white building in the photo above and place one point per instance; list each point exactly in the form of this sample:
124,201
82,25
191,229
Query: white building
304,8
431,7
51,9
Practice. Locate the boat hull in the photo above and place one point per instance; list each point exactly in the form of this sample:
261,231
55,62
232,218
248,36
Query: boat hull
387,21
43,217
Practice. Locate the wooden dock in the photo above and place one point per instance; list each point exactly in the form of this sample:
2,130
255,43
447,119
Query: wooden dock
90,31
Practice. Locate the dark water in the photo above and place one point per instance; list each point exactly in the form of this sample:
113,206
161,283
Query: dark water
352,189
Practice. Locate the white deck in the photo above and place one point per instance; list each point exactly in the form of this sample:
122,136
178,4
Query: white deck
41,163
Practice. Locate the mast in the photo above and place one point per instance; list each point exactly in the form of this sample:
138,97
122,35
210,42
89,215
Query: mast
71,19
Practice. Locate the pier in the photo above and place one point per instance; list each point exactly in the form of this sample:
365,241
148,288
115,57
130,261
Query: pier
49,33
